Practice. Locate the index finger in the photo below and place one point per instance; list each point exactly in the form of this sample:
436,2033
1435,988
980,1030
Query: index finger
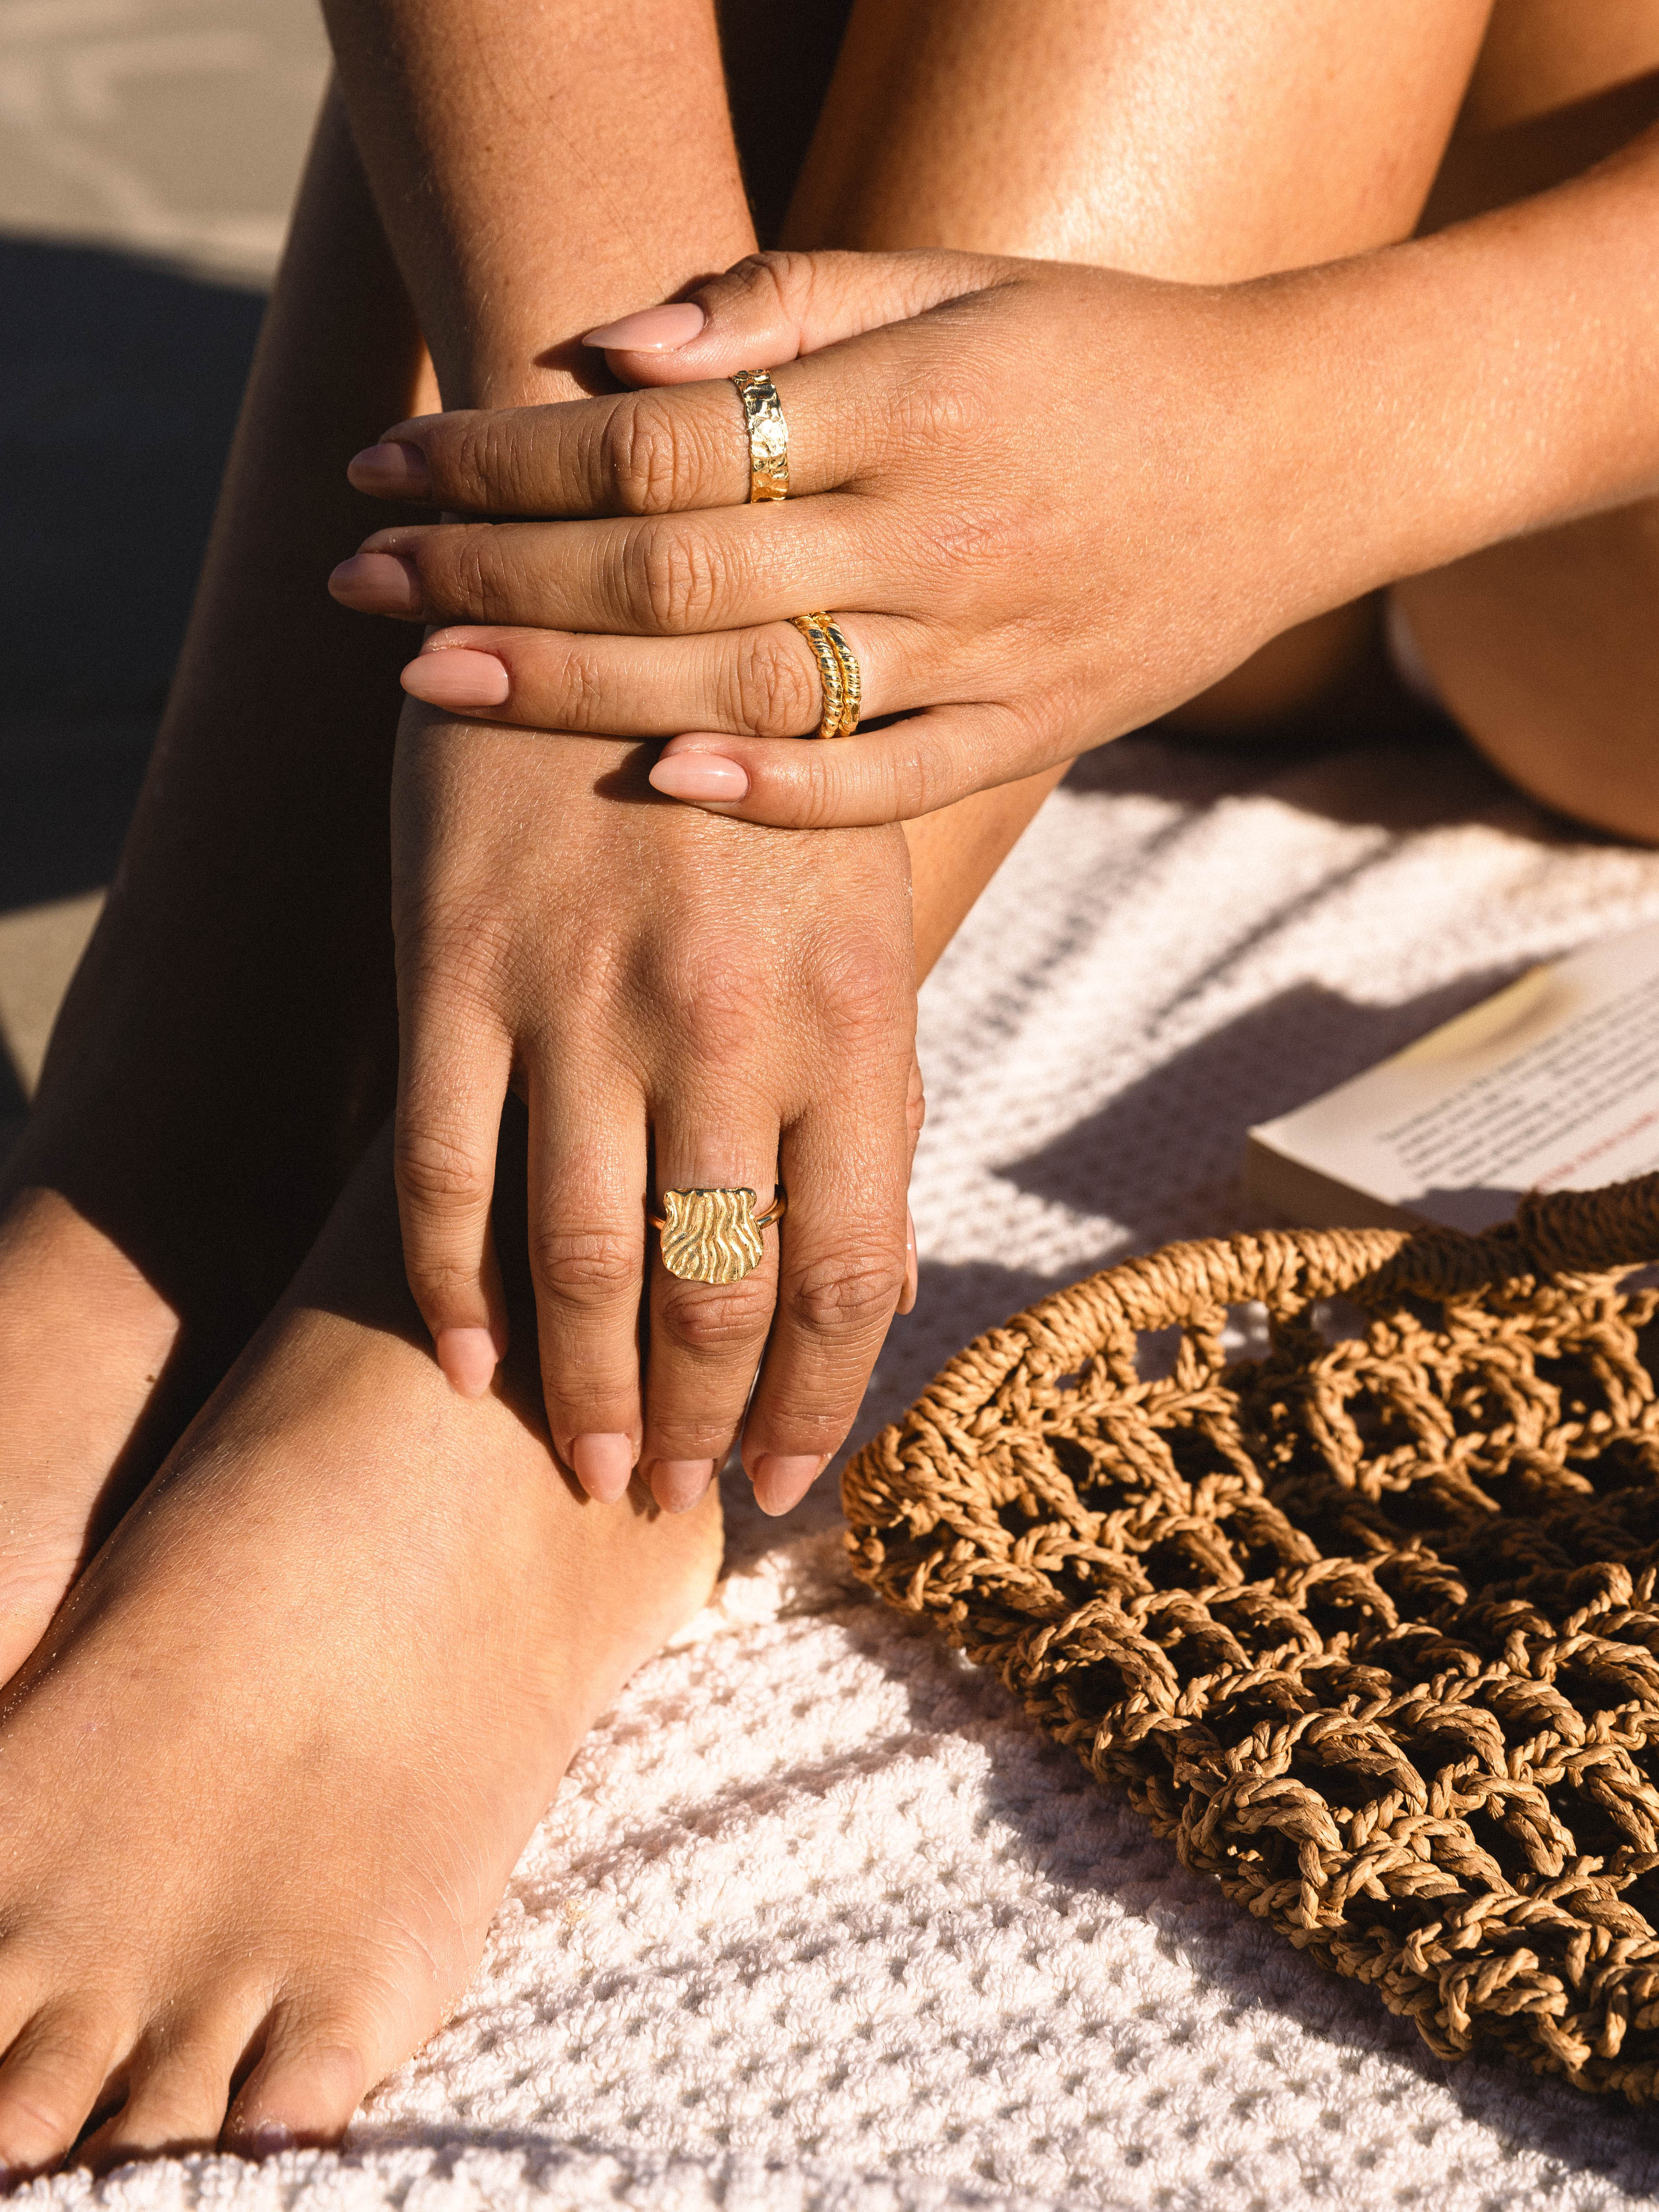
655,452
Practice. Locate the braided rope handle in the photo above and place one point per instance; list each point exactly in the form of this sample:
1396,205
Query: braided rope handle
1561,1232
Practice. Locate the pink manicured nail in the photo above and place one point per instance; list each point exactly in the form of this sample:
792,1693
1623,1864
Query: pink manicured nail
391,472
604,1465
699,775
457,677
377,584
467,1357
653,330
781,1481
678,1484
912,1275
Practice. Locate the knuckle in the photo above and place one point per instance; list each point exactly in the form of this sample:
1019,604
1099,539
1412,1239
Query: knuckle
649,455
577,688
775,688
767,281
712,1320
454,955
491,458
438,1170
929,412
858,986
673,579
716,1006
846,1294
585,1267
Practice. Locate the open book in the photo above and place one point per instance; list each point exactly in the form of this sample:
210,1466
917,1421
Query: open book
1552,1085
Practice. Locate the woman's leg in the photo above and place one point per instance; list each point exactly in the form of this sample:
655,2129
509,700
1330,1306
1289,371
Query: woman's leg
1547,649
227,1044
290,1843
1112,135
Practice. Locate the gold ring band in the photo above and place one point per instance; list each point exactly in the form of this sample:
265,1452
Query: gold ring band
713,1236
838,673
769,435
852,682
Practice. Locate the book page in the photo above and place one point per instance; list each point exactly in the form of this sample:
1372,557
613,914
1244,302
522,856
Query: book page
1552,1085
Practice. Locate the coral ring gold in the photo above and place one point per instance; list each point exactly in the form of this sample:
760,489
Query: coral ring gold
713,1236
769,435
838,673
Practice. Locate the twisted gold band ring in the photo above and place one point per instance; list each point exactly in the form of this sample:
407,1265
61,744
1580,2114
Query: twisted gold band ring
838,673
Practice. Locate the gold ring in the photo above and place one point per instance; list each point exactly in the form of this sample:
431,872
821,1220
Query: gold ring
713,1236
769,435
838,673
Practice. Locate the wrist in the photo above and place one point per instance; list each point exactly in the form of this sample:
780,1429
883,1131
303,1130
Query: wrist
1435,398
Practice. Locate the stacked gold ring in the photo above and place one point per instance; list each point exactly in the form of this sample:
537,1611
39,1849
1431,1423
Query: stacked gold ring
769,478
838,673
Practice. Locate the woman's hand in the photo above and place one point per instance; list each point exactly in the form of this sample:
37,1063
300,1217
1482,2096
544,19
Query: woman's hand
1036,505
682,1002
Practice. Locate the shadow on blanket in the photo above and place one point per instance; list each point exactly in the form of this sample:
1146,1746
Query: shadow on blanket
1158,1157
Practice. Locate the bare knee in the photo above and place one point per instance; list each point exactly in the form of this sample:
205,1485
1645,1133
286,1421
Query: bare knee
1546,652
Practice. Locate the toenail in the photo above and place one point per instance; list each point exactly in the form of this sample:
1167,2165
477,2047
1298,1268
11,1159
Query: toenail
782,1480
265,2141
604,1465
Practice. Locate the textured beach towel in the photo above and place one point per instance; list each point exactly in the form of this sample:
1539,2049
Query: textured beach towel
818,1919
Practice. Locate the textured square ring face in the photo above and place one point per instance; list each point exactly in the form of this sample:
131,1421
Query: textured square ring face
710,1235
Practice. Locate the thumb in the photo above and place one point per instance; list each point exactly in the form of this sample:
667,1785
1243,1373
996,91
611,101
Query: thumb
775,307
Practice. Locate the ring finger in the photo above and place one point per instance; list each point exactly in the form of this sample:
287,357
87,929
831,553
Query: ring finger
762,683
706,1336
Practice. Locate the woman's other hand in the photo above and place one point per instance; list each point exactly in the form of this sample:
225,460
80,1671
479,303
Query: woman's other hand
747,999
1033,504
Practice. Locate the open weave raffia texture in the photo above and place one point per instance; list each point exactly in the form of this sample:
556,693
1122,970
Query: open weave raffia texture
1368,1624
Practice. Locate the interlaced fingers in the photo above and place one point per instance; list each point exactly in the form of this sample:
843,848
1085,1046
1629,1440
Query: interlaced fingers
1370,1626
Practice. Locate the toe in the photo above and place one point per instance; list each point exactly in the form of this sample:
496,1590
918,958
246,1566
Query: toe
304,2090
175,2103
50,2082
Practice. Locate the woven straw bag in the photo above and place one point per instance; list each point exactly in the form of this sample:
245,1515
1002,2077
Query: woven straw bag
1369,1624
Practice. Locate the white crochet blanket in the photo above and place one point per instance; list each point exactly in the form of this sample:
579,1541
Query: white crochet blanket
817,1919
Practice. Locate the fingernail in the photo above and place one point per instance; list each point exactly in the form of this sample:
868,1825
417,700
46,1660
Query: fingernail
699,775
678,1484
377,584
265,2141
604,1465
781,1481
467,1357
653,330
912,1273
458,678
391,472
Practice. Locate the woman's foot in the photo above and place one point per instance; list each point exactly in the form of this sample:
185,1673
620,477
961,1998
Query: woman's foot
84,1339
272,1766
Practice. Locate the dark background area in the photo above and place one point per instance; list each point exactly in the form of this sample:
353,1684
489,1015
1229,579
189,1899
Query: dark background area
121,383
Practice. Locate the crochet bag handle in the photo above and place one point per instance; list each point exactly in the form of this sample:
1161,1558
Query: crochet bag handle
1561,1232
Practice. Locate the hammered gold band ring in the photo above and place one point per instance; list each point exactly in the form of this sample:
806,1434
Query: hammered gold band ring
713,1236
838,673
769,435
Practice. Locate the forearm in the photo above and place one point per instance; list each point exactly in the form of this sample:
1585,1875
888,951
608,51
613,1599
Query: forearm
540,173
1419,404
